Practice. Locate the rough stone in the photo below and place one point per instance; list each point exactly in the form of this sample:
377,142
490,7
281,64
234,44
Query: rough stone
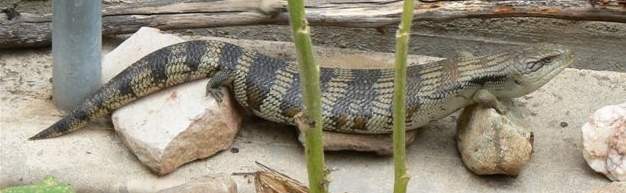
212,184
379,144
614,187
492,143
176,126
146,40
604,141
172,127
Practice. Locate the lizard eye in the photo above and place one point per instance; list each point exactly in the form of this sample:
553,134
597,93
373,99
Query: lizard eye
535,65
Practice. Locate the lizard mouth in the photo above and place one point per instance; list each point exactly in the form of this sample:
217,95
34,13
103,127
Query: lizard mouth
565,59
566,56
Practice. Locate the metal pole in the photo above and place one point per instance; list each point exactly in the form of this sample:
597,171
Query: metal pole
76,45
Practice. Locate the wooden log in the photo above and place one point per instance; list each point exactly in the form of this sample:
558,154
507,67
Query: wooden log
31,30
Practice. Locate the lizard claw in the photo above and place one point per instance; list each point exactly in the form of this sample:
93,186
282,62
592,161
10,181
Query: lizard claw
485,98
501,109
215,85
216,93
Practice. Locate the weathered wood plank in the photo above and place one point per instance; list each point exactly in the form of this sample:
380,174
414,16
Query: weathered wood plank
30,30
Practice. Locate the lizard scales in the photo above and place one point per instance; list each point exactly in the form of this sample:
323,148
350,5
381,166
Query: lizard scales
353,100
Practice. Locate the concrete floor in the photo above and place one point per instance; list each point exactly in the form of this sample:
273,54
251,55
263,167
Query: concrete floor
95,160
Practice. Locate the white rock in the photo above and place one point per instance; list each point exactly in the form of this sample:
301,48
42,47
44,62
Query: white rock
170,128
176,126
492,143
604,141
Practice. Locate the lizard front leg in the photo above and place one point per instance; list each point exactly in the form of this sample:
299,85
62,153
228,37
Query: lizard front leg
213,87
486,98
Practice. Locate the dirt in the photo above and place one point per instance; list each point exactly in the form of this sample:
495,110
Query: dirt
25,89
22,72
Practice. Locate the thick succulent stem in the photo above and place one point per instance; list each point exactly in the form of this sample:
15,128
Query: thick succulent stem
401,178
309,81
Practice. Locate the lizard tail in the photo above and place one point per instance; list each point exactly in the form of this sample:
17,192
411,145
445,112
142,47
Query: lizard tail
73,121
166,67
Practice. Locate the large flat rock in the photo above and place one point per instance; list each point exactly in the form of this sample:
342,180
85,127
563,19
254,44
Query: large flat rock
95,160
174,126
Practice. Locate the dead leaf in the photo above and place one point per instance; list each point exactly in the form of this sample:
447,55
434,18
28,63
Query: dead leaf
269,180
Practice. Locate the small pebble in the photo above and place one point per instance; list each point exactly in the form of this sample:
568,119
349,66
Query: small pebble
234,150
564,124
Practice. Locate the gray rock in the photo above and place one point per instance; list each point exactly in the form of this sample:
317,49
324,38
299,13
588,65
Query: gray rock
604,141
172,127
379,144
492,143
210,184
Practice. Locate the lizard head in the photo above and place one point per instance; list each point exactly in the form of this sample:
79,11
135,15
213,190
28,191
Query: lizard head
532,67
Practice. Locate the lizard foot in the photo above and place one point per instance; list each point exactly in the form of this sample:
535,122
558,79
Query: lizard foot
214,86
216,93
484,97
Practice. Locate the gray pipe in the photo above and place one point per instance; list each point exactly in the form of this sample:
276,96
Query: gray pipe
76,45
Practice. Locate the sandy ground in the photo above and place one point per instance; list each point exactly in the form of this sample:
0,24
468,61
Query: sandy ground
95,160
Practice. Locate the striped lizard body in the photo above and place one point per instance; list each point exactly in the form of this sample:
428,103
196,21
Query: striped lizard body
353,100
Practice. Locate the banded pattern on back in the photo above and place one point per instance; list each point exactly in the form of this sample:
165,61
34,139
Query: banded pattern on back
353,100
163,68
359,100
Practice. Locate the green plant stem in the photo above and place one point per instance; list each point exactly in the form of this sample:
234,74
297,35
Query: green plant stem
309,82
401,178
